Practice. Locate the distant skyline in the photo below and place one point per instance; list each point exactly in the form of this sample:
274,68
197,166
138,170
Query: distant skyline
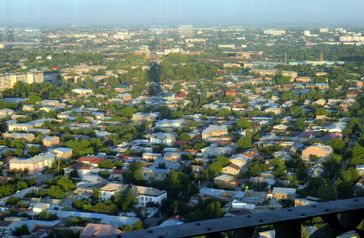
178,12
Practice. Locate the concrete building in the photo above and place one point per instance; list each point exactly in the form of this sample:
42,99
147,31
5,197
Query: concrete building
32,165
8,81
110,190
49,141
214,131
147,195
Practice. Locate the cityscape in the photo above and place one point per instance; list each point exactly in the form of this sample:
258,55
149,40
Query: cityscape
107,131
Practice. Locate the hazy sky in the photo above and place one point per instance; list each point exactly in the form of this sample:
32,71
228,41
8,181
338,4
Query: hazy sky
176,12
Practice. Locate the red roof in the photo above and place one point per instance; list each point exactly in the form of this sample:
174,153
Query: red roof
89,160
230,92
181,94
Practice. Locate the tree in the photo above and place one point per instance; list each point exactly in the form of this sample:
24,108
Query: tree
21,230
243,124
245,142
106,164
66,184
257,167
126,199
214,210
45,216
345,189
33,99
327,192
215,167
56,191
134,173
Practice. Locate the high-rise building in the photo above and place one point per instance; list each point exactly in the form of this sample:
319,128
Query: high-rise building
8,81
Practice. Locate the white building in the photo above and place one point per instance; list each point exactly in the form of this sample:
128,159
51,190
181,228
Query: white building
162,138
110,190
147,195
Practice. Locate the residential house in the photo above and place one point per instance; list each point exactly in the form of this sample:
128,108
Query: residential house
29,137
147,195
62,152
32,165
281,193
109,190
161,138
225,180
177,123
50,141
213,132
100,230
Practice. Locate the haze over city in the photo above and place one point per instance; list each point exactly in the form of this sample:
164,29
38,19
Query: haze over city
173,12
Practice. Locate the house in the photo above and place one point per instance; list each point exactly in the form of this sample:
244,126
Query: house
50,141
231,169
90,160
273,110
100,230
177,123
317,150
6,112
109,190
62,152
39,207
148,156
225,180
214,150
20,127
281,193
222,194
162,138
230,93
172,156
32,165
147,195
140,117
214,131
29,137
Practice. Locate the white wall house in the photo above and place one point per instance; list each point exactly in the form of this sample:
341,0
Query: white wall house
146,195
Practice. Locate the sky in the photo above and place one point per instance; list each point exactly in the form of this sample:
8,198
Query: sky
179,12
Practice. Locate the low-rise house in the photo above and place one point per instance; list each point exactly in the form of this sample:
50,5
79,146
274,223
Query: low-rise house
162,138
172,156
215,150
90,160
140,117
6,112
214,131
151,195
110,190
50,141
281,193
100,230
225,180
20,127
317,150
32,165
151,156
222,194
29,137
177,123
62,152
273,110
39,207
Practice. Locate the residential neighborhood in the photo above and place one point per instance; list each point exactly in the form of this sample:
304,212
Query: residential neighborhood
154,128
